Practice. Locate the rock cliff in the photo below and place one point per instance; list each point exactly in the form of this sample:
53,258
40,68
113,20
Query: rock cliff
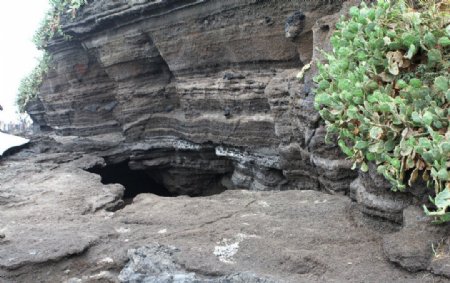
200,94
203,96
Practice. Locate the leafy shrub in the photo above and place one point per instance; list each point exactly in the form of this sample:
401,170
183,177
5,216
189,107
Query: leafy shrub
384,92
29,86
50,27
51,24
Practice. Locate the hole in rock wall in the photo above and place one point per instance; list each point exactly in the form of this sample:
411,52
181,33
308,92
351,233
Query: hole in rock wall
135,181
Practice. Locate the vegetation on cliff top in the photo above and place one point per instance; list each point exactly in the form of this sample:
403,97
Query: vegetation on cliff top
51,24
49,28
29,85
384,93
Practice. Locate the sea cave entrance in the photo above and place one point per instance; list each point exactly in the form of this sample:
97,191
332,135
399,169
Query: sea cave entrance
134,181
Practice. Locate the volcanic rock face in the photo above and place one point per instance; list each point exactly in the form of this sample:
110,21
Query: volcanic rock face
59,223
198,96
199,93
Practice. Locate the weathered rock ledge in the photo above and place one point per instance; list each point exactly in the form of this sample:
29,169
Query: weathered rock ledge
202,97
198,93
202,94
59,223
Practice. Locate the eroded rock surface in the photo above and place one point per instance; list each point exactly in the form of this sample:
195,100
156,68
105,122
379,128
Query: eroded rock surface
175,82
203,97
59,223
418,243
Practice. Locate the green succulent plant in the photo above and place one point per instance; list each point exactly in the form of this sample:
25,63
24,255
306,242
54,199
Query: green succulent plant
383,92
51,24
29,85
50,27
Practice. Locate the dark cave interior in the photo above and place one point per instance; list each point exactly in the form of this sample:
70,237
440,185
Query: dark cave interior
135,181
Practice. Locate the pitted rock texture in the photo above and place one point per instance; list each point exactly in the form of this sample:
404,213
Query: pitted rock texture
59,223
203,97
419,245
156,263
217,75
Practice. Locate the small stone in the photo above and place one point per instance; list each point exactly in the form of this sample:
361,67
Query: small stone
122,230
105,261
169,108
412,246
268,21
110,106
2,236
74,280
91,108
294,24
227,112
232,76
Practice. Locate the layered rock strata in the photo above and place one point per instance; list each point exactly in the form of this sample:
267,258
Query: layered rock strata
202,96
199,93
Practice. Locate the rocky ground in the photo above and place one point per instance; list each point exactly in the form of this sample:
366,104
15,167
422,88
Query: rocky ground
203,98
59,223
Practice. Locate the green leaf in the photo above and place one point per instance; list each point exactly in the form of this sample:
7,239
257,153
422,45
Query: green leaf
410,38
384,107
354,11
345,85
442,174
437,124
323,98
445,146
416,117
429,40
376,132
371,14
402,84
442,219
427,118
345,148
353,27
425,143
441,83
444,41
364,167
376,148
434,56
369,28
395,163
415,83
361,145
411,51
370,156
324,84
442,200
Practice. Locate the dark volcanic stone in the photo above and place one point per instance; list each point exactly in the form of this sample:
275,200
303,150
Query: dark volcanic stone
205,72
294,24
412,247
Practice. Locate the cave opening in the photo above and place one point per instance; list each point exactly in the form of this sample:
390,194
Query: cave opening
134,181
